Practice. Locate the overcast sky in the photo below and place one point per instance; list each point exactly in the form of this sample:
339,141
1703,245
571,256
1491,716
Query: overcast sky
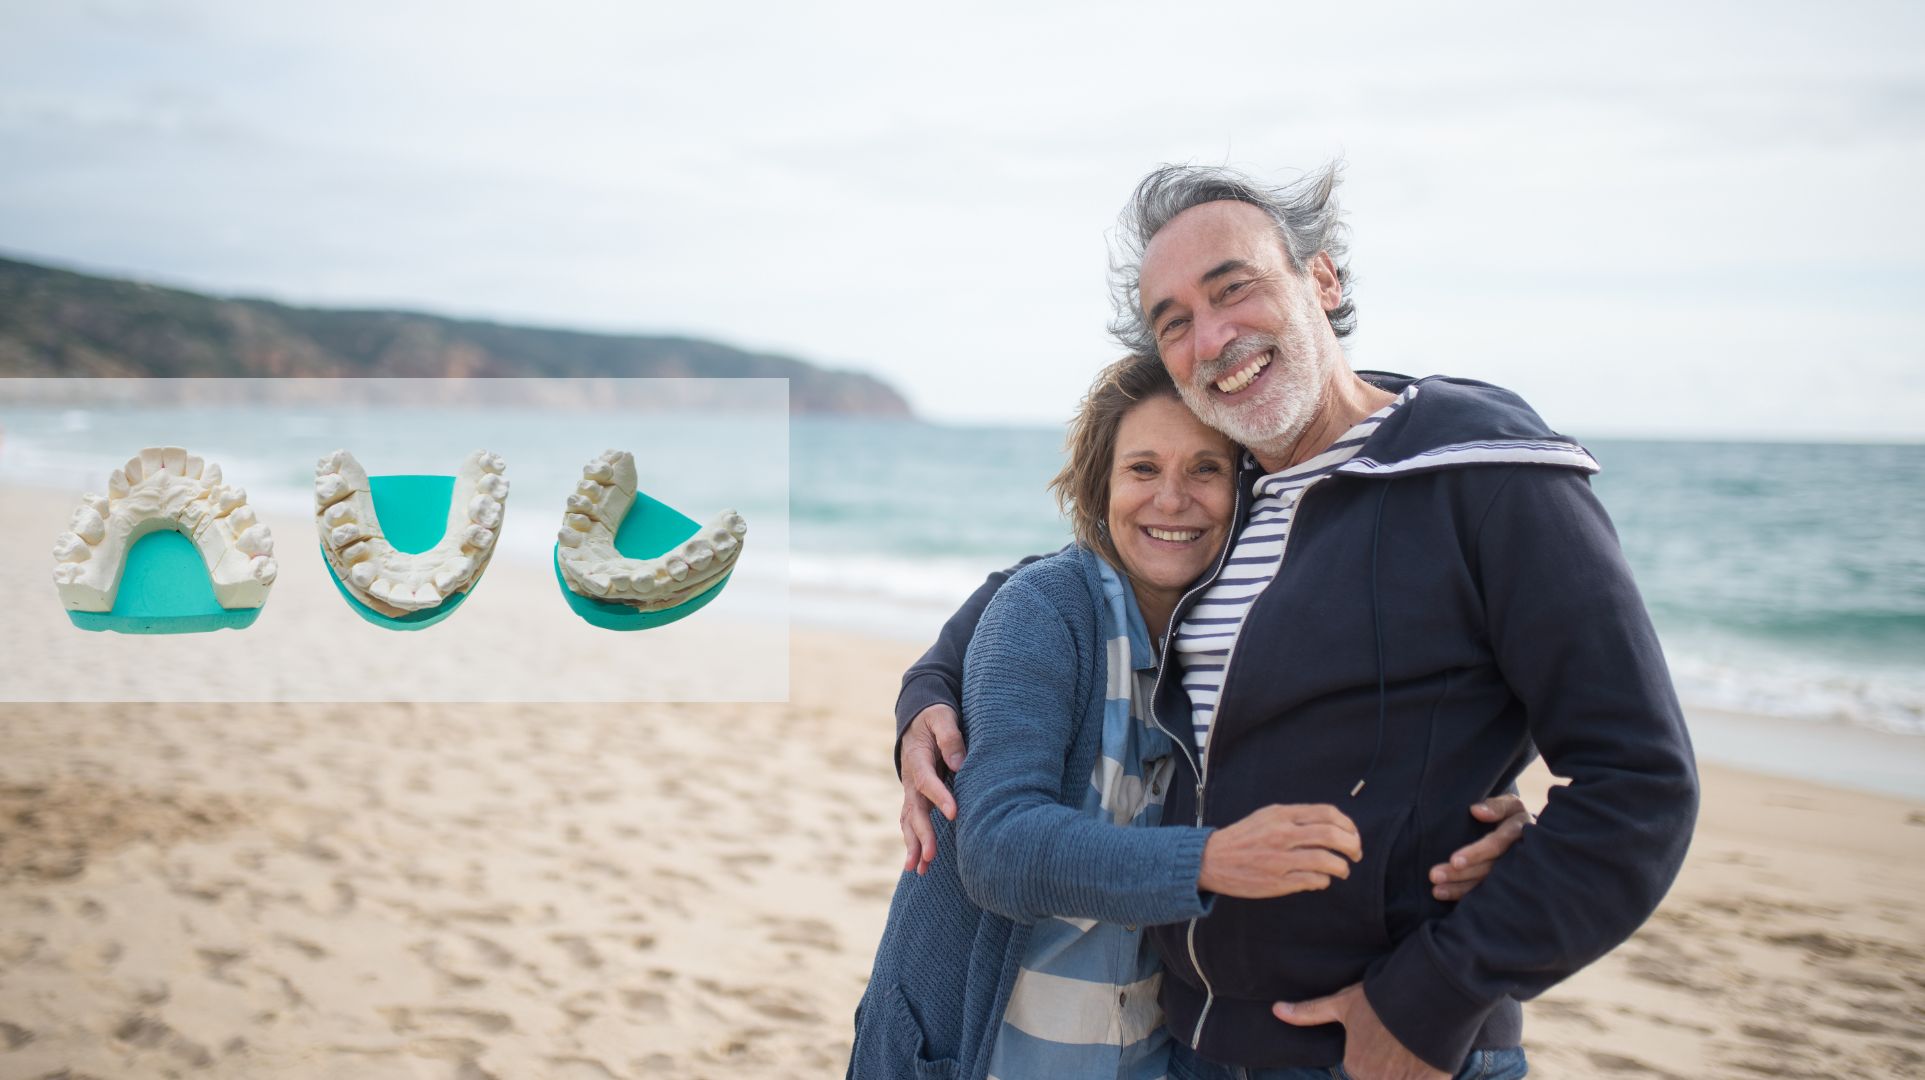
1681,218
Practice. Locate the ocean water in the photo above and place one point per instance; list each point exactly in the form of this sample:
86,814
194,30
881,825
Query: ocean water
1785,580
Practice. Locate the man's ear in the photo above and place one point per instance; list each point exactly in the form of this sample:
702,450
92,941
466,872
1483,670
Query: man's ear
1323,271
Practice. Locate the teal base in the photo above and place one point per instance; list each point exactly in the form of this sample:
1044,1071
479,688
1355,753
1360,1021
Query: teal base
413,512
651,528
164,589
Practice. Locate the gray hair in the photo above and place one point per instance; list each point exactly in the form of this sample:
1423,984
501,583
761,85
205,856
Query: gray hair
1305,210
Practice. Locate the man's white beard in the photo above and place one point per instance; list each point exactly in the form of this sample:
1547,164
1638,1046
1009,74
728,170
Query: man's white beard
1285,402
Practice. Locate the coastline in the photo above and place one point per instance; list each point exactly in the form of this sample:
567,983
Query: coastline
691,890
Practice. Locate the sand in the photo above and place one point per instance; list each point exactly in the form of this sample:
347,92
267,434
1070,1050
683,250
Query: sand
695,890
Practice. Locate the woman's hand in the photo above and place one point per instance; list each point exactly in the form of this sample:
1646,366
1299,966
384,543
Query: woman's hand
1280,850
1469,865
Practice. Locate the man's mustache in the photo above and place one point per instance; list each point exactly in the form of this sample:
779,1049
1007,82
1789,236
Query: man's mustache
1234,354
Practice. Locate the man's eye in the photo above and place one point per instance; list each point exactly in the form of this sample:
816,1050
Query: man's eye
1172,326
1235,286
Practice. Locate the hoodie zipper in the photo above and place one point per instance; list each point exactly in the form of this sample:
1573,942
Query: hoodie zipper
1202,771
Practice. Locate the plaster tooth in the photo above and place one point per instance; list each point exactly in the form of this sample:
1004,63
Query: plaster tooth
491,462
601,470
383,589
331,489
356,552
135,469
66,573
69,548
724,543
330,463
361,575
343,535
173,459
451,574
340,513
736,525
227,499
598,583
590,490
677,568
256,540
484,511
700,556
643,584
97,503
578,522
495,487
241,518
424,594
568,537
194,467
117,484
581,504
265,570
88,525
477,538
211,476
153,461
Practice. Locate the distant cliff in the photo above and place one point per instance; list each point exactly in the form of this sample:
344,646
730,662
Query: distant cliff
60,323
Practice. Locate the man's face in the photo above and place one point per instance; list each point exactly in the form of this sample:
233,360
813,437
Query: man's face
1242,332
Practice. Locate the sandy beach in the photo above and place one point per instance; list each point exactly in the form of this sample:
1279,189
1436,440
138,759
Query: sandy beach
694,890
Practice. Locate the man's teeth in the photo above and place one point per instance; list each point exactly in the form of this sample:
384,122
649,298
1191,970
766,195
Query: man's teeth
1242,377
1181,536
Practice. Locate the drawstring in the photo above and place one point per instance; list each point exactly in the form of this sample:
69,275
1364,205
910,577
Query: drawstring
1377,624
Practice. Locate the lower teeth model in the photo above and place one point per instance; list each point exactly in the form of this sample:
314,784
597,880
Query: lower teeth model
164,488
395,583
592,567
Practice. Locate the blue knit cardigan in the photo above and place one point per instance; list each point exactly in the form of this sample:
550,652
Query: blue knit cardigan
1021,849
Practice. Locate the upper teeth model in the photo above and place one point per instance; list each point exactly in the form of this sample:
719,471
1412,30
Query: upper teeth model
164,487
592,567
392,582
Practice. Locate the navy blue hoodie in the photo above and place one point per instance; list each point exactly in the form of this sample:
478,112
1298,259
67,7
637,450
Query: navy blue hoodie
1451,598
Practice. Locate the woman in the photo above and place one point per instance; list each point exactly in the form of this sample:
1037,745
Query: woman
1023,956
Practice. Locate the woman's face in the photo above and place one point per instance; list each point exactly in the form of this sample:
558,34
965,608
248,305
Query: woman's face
1170,493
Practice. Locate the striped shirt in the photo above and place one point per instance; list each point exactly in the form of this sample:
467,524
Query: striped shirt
1208,633
1085,999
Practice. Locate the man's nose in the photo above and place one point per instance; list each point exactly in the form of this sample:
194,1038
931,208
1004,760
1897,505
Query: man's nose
1213,332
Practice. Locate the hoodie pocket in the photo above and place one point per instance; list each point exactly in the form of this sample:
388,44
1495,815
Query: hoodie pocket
1307,943
909,1046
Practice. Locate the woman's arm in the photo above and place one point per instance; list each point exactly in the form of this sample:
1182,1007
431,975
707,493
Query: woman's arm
1023,854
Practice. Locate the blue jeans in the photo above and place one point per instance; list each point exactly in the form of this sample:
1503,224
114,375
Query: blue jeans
1507,1064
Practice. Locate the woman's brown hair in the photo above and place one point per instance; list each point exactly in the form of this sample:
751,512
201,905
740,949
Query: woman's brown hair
1083,487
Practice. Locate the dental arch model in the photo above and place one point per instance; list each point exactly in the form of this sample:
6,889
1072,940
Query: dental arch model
395,583
592,566
164,487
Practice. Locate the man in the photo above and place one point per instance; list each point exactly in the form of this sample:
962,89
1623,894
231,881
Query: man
1422,590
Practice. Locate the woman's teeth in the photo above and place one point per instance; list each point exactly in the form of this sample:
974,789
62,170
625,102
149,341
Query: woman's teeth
1180,536
1242,377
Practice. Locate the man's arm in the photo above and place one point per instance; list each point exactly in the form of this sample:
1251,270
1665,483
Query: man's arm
1572,637
936,678
929,726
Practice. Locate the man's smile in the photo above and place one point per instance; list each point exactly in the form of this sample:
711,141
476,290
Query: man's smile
1240,379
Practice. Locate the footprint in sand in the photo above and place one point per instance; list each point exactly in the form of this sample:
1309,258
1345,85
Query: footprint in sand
578,949
812,933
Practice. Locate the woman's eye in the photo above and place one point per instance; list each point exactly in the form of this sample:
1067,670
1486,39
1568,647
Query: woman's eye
1143,468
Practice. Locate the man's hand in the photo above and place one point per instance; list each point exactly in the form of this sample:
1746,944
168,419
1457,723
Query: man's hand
1471,863
1279,850
932,744
1370,1051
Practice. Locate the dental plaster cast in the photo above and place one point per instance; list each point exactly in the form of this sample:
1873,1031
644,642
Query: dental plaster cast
395,583
164,487
592,567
